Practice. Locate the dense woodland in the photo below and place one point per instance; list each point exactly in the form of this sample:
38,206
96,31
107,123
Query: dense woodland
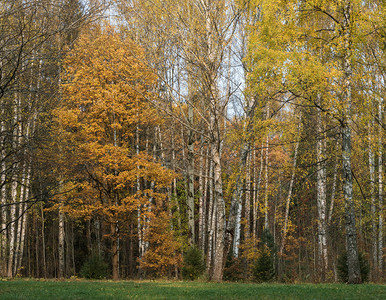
133,131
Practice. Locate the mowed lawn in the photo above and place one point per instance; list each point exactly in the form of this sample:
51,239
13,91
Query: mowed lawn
82,289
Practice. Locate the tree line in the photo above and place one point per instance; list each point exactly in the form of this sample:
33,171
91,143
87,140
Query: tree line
249,130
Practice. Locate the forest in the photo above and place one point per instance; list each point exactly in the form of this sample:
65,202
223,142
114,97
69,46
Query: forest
227,140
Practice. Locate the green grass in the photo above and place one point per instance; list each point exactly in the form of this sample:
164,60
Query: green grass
82,289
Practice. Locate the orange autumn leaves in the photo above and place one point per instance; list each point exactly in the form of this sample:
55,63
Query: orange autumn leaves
106,90
106,94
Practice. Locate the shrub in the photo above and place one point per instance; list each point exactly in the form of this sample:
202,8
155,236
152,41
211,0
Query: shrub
234,269
164,252
194,265
268,239
94,268
343,267
263,269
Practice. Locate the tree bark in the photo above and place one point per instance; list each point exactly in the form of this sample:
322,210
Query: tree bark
234,222
20,223
354,275
206,212
190,178
351,236
256,206
43,242
114,250
61,272
210,218
380,186
141,243
247,228
12,216
374,246
220,206
321,180
3,201
201,207
266,208
333,189
287,205
212,10
233,226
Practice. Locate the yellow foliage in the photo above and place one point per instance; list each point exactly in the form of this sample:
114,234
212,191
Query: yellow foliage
249,249
106,94
164,254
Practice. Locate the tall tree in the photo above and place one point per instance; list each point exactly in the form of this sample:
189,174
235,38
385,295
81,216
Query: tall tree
106,92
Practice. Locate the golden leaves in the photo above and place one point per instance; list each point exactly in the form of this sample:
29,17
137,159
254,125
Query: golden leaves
165,249
106,89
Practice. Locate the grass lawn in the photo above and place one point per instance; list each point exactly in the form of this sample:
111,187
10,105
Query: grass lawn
82,289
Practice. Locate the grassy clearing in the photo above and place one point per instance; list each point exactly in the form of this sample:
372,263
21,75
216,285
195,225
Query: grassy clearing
81,289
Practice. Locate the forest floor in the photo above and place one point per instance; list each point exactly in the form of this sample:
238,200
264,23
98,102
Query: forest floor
103,289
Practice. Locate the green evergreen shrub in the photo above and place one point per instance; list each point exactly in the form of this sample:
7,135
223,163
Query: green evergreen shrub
264,269
94,268
194,265
268,240
343,267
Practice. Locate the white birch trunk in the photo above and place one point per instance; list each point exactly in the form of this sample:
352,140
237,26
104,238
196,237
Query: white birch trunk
12,232
321,180
237,233
205,209
354,275
174,187
139,213
210,218
254,193
12,216
20,221
61,232
380,187
3,209
256,207
3,200
201,205
374,246
190,178
234,222
287,206
248,198
266,224
23,196
61,244
333,189
24,219
212,237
